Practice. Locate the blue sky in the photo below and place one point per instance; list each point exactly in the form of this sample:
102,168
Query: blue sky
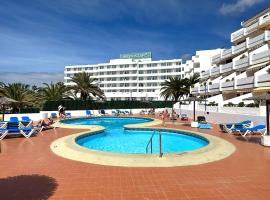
39,36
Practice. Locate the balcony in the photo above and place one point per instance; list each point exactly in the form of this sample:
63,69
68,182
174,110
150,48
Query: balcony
215,71
229,85
264,20
205,74
203,89
260,57
237,35
258,40
252,27
214,87
240,48
263,80
227,67
216,58
226,53
241,63
195,90
247,82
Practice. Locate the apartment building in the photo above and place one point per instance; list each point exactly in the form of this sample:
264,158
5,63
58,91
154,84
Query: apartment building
241,70
137,76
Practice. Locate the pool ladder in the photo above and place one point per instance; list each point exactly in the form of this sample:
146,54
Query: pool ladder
150,142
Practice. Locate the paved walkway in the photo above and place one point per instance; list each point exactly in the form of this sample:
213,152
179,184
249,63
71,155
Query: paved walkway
29,170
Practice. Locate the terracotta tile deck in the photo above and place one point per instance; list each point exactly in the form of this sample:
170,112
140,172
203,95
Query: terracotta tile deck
244,175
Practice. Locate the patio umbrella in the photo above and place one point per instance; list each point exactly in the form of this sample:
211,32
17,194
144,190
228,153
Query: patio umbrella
4,101
263,97
194,99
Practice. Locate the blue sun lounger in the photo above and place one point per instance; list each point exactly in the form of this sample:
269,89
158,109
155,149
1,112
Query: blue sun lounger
256,129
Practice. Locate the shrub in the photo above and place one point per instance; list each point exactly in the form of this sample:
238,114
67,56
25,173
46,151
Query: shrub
241,104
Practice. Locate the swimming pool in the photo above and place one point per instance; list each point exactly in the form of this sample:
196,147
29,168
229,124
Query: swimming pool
116,138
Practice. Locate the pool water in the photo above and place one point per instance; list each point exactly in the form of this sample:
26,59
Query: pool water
116,139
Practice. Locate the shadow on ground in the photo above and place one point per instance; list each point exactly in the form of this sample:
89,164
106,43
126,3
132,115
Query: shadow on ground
27,187
255,140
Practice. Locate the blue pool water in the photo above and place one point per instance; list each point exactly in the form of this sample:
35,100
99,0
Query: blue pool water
116,139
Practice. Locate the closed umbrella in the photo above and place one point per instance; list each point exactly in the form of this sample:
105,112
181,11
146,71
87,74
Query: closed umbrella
5,101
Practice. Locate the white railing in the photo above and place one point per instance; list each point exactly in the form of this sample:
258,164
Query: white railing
239,48
215,70
195,90
252,27
214,87
264,19
241,63
237,34
247,82
267,35
229,85
260,57
203,89
263,80
206,73
226,53
216,58
256,40
227,67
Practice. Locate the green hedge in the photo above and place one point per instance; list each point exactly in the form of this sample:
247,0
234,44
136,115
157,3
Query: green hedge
95,105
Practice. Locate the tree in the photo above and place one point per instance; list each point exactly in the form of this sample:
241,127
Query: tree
86,86
19,92
174,88
54,91
193,79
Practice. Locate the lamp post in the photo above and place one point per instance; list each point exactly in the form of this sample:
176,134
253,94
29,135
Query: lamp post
205,96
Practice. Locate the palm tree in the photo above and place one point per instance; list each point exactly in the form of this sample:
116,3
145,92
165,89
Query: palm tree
54,91
174,88
193,79
19,92
86,86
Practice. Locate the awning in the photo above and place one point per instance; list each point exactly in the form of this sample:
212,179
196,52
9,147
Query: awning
262,89
257,66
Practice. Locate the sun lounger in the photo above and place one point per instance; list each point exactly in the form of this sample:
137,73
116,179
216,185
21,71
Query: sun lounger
88,113
184,117
102,112
68,115
229,128
14,129
127,112
261,129
53,115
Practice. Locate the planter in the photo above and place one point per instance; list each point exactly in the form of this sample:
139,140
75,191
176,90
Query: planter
265,140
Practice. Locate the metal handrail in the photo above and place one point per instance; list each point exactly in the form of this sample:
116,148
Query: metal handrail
150,142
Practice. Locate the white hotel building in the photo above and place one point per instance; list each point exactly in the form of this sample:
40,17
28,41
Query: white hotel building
137,76
241,70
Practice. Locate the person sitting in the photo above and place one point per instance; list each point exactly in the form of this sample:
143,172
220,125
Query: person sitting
47,122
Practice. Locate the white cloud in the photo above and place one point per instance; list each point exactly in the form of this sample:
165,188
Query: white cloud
239,6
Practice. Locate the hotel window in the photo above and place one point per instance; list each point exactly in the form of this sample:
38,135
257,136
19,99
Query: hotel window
109,85
101,67
134,65
148,65
68,69
121,84
101,73
134,78
121,66
126,66
126,72
163,64
101,85
126,84
140,78
140,84
113,66
113,79
101,79
140,66
108,67
140,90
149,84
154,64
109,73
169,64
134,84
178,63
140,72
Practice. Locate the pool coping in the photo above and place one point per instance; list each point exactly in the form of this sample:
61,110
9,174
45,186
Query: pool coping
67,147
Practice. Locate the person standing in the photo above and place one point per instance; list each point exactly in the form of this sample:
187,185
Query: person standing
164,116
